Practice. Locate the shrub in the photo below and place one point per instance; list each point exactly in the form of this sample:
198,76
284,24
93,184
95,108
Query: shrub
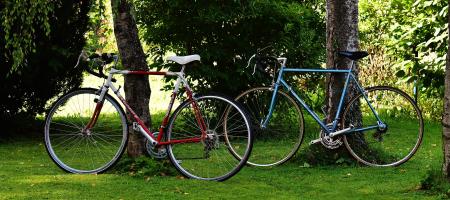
47,70
227,33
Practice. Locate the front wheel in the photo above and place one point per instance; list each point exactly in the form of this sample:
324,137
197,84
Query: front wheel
221,124
393,137
277,142
76,148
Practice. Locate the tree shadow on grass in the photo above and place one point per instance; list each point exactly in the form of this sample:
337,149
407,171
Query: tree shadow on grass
435,183
143,167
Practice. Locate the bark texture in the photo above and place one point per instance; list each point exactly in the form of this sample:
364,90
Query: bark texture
446,117
137,88
342,35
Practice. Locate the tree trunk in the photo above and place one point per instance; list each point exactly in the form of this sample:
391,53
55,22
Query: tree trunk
342,35
137,88
446,116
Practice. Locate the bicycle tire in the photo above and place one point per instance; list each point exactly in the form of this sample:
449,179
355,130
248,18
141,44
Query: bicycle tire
209,159
381,147
85,152
280,140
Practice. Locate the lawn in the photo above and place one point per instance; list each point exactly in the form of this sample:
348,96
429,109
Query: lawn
28,173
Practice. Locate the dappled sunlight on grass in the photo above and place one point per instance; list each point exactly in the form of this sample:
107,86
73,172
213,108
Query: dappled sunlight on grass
26,172
63,178
66,186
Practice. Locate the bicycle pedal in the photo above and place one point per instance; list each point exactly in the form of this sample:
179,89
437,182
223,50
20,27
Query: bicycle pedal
136,126
315,141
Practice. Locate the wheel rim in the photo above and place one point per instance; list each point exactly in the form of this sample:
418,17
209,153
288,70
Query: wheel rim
77,150
385,147
209,159
280,140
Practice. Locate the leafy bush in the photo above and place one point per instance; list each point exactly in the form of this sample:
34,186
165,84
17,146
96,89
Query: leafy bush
227,33
408,40
47,70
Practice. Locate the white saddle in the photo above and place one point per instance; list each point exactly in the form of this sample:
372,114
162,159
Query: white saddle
182,60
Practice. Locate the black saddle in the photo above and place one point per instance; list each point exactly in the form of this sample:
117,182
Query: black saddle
353,55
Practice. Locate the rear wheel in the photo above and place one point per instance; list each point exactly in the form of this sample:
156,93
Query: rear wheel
227,126
394,140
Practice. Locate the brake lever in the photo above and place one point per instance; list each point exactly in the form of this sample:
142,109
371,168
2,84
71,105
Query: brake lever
250,60
264,48
83,55
248,64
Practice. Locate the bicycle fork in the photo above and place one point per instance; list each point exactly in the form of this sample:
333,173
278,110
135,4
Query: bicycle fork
87,129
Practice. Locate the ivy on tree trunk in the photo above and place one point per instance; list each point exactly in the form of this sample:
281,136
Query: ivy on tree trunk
137,87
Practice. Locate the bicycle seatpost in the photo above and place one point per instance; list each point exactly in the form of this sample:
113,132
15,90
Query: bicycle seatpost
352,65
282,61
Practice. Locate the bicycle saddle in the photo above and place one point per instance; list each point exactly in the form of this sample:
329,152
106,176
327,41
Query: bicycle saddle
182,60
353,55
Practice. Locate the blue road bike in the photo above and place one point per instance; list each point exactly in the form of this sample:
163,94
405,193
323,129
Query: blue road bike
380,126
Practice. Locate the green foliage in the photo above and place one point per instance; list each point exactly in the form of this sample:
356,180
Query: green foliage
227,33
21,22
100,37
414,35
47,70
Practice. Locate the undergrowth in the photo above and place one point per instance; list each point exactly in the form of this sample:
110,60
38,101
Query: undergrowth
317,155
144,167
435,183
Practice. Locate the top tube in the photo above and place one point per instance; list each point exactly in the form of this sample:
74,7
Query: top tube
317,70
137,72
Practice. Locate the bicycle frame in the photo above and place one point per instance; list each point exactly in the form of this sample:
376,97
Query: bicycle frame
328,131
139,124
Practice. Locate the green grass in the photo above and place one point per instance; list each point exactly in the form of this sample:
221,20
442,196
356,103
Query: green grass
28,173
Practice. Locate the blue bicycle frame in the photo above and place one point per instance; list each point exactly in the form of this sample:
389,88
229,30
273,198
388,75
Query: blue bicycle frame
349,75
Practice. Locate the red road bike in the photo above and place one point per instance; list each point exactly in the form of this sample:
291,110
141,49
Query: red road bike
86,130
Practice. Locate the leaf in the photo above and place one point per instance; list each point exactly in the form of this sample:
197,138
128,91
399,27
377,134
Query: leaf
340,160
400,73
306,165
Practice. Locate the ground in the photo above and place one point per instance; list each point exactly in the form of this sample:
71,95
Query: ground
26,172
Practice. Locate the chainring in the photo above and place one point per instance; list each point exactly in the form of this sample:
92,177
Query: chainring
155,152
328,142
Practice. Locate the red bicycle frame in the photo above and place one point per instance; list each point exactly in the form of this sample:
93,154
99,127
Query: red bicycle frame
140,124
